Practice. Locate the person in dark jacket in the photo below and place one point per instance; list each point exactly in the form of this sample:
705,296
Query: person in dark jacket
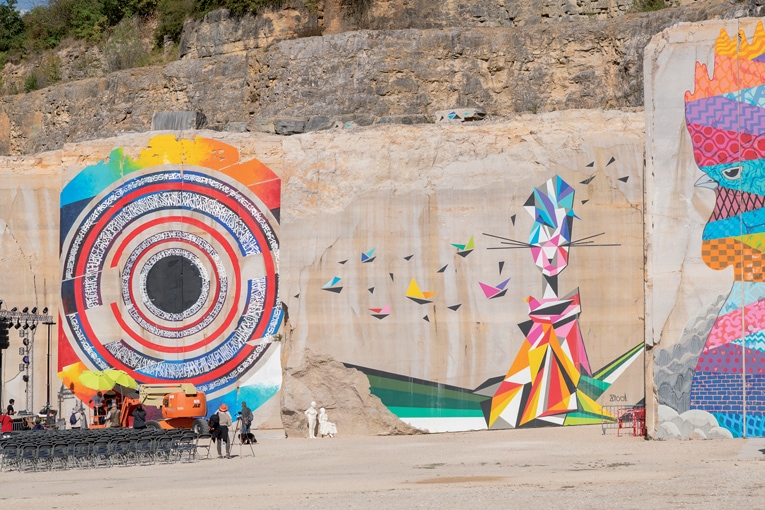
139,417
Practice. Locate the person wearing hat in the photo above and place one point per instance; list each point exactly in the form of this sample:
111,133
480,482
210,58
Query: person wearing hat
221,431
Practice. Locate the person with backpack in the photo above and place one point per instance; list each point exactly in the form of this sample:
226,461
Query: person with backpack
219,425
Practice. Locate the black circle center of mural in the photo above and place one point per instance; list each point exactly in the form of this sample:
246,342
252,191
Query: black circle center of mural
173,284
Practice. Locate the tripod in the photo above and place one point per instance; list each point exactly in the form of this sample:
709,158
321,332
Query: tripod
238,437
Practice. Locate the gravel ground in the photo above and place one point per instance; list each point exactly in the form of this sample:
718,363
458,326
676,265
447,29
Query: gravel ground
567,467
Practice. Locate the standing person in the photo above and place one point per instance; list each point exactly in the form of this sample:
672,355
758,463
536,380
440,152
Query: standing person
98,408
221,431
139,417
247,418
311,413
11,410
113,418
6,423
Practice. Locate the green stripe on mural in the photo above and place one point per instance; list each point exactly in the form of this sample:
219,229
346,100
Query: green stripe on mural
618,362
579,418
385,383
593,388
393,398
429,412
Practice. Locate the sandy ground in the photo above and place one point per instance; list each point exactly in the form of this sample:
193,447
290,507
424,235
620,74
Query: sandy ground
571,467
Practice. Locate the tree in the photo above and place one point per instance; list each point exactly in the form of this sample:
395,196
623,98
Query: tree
11,26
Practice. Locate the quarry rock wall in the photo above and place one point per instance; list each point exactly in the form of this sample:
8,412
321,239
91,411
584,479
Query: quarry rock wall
362,77
402,304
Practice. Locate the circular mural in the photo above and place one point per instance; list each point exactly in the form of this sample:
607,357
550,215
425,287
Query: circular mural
170,271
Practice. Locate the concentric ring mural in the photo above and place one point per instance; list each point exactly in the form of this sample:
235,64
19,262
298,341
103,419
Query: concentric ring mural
170,264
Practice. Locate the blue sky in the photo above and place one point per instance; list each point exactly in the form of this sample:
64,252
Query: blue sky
25,5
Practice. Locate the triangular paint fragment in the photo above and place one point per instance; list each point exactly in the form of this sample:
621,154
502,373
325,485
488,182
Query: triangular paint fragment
443,269
343,261
418,296
409,257
334,281
585,201
624,179
611,160
371,290
384,311
501,266
391,276
590,165
454,307
512,218
426,319
297,295
587,181
368,256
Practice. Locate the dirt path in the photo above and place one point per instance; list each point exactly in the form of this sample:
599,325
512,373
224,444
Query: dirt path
571,467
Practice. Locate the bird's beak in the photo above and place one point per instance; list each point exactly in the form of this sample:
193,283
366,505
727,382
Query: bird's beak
706,182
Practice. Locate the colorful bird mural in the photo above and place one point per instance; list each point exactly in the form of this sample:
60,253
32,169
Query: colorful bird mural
725,117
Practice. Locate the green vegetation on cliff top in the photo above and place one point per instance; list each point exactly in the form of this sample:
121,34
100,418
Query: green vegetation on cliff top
45,26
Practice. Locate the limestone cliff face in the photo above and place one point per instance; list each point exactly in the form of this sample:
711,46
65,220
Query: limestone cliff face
218,32
364,76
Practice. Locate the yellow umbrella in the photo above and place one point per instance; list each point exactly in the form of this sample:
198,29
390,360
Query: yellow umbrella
122,378
96,380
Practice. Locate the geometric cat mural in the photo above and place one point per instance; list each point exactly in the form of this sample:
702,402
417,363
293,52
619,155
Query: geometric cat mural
550,382
170,270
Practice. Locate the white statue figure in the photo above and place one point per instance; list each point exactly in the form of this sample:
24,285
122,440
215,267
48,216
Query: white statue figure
311,413
326,427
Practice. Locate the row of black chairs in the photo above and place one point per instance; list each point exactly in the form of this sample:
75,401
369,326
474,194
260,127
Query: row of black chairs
58,449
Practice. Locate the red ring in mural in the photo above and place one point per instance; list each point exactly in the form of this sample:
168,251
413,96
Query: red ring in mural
159,347
203,314
201,225
209,339
98,227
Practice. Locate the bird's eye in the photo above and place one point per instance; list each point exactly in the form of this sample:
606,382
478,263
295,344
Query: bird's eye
732,173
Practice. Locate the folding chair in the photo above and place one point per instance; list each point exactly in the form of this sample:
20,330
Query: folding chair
204,442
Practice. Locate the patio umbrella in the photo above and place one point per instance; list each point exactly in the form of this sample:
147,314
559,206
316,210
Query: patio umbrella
96,380
122,378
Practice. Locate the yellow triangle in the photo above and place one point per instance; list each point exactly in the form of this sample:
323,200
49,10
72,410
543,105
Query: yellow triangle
536,357
498,404
414,290
588,405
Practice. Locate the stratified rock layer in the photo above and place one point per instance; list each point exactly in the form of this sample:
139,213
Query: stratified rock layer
360,77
